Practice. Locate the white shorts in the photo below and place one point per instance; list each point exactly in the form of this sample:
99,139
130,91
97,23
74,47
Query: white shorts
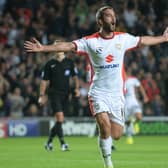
114,105
132,106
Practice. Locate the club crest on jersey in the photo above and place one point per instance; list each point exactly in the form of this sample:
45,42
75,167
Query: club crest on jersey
118,46
99,50
109,58
96,106
52,66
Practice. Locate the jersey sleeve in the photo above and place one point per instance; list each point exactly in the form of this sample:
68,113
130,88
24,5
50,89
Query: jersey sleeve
132,42
81,45
45,75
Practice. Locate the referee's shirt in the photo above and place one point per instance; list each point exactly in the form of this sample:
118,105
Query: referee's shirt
59,73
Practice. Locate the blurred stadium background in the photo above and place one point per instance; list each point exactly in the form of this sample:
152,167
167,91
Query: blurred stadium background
20,114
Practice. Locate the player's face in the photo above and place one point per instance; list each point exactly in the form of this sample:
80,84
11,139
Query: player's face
108,20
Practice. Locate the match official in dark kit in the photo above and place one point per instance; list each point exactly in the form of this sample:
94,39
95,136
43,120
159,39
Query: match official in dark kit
56,78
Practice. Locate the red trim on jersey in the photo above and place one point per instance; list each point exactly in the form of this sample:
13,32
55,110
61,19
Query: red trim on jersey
75,45
138,45
123,78
107,38
82,53
91,106
95,35
118,33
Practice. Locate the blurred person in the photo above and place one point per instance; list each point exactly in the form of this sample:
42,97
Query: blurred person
30,98
56,74
4,83
33,110
17,103
13,34
158,106
161,84
4,89
133,106
130,14
151,90
150,86
81,11
105,50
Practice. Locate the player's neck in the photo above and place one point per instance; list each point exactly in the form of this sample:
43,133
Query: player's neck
106,35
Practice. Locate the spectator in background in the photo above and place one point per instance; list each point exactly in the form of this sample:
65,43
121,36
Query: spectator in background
4,84
151,90
158,106
17,103
33,110
161,84
130,14
30,102
4,89
150,86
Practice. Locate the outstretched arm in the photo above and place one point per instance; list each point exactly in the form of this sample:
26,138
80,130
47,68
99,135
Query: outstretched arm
36,46
151,40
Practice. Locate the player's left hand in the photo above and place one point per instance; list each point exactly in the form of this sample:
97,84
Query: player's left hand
165,34
77,92
33,46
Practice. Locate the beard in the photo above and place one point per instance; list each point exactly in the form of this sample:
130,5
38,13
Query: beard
109,27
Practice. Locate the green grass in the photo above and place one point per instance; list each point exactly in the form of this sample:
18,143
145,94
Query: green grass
147,152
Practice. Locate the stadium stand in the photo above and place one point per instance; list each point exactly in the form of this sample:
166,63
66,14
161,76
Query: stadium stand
69,19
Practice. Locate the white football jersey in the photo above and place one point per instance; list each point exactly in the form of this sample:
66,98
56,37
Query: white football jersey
106,58
130,84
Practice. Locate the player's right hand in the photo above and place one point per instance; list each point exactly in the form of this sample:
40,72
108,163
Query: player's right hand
42,100
33,46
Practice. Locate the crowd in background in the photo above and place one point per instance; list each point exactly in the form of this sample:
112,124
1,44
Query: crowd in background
20,72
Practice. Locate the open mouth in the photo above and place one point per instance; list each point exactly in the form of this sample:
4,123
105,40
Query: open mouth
113,23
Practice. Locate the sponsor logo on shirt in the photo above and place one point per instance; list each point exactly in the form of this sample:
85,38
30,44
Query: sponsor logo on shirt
109,58
109,66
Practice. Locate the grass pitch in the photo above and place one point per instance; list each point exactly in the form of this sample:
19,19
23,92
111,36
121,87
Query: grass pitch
146,152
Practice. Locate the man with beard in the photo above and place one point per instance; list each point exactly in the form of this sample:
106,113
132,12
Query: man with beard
105,50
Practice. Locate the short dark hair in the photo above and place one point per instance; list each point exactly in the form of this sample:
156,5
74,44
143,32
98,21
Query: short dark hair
99,13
